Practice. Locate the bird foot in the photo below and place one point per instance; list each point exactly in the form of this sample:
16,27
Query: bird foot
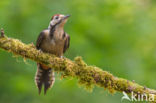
62,57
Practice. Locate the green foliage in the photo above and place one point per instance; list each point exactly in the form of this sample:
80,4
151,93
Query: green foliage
118,36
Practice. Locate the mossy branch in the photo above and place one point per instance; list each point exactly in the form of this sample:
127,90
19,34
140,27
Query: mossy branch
89,76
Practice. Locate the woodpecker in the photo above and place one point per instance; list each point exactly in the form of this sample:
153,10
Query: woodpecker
54,41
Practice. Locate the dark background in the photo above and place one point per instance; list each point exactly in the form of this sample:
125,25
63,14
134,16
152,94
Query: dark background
116,35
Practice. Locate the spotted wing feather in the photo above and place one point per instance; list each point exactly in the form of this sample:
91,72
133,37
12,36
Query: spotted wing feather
67,43
40,39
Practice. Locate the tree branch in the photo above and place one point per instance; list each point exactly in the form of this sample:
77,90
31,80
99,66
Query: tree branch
89,76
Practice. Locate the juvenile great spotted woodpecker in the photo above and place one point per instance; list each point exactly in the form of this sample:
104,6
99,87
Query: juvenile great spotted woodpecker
54,41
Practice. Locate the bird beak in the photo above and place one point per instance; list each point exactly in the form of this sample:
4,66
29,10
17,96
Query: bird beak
66,17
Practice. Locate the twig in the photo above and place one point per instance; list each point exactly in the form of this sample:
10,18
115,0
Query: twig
89,76
2,32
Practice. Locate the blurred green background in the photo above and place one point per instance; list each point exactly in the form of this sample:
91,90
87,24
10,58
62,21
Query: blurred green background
116,35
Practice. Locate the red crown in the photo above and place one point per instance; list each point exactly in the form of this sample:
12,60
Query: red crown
54,16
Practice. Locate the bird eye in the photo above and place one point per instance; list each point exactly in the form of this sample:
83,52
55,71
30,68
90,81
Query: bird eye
56,17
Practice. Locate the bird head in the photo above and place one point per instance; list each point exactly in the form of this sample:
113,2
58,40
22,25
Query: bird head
58,19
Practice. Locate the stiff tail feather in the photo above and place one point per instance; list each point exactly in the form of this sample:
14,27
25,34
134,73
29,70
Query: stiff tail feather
44,77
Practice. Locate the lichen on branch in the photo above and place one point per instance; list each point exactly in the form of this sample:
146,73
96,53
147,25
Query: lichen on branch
89,76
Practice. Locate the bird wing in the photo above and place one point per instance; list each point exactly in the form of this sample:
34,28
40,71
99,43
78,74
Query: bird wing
40,39
67,43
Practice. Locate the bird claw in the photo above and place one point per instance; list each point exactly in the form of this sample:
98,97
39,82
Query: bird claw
62,57
32,44
40,50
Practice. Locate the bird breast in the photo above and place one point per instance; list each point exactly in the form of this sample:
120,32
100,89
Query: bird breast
52,46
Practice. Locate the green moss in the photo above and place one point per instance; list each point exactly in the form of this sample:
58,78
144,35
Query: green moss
88,76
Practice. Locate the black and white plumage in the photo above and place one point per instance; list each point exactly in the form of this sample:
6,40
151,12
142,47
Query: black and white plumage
54,41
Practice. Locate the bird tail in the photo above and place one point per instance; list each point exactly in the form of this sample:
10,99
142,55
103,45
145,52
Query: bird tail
44,76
